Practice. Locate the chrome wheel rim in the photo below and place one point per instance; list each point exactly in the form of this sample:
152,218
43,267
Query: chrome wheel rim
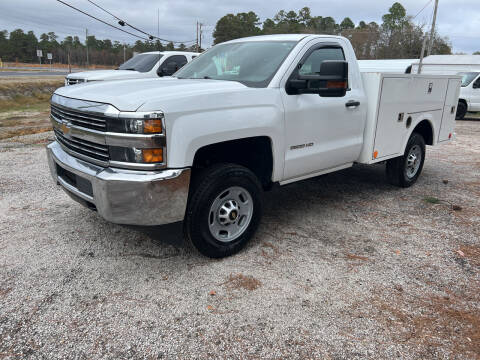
414,159
230,214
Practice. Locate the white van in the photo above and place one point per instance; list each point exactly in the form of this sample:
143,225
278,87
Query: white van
146,65
467,66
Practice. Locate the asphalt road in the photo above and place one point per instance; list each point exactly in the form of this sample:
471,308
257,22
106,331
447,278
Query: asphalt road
31,73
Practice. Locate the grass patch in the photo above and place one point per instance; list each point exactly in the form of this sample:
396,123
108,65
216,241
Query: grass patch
431,200
37,102
30,94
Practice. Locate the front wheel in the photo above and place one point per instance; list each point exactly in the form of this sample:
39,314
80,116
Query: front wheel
224,210
404,171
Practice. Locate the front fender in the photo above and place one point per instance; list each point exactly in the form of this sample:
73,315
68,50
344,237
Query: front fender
248,114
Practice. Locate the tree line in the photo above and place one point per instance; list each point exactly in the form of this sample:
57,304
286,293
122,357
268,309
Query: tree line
396,37
18,46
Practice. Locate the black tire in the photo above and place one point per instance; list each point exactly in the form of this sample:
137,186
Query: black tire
208,186
398,171
461,110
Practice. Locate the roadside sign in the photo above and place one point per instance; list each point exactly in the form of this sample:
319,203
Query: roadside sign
49,56
39,53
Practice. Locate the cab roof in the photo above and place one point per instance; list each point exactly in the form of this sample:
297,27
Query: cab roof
283,37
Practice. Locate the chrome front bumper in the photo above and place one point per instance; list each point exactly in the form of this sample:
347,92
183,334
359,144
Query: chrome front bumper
122,196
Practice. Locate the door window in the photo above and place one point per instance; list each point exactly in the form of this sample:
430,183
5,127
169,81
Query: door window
312,64
172,64
476,84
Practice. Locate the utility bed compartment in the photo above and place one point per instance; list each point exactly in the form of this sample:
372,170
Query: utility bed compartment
398,102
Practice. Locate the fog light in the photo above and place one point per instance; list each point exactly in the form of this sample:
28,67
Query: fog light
152,155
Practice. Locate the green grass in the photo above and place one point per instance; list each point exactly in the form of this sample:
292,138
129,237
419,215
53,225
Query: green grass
431,200
37,102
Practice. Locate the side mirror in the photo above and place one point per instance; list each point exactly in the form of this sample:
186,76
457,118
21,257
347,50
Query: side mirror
332,81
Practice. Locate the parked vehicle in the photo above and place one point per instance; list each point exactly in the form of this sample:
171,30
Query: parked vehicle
399,66
146,65
250,113
467,66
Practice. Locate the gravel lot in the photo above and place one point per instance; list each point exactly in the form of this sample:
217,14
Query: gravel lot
343,267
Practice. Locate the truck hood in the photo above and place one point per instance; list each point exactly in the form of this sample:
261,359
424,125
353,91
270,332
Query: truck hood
96,75
129,95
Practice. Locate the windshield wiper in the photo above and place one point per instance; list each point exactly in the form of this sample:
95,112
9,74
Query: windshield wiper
129,69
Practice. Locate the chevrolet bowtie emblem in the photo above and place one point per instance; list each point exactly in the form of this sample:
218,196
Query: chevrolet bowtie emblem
65,129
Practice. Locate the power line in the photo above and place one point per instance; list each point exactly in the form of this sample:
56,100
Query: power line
422,9
93,17
123,23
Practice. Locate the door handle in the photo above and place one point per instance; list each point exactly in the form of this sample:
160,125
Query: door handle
352,104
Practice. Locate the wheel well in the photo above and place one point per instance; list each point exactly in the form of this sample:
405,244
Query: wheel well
254,153
463,101
425,129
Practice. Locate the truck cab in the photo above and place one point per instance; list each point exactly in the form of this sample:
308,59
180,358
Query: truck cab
203,145
145,65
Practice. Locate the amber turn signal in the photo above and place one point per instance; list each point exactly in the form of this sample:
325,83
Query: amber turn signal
152,126
336,84
152,155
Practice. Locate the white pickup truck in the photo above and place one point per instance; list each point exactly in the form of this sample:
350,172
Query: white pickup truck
204,145
146,65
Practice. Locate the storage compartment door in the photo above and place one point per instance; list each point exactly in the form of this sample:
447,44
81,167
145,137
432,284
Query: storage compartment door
391,129
451,101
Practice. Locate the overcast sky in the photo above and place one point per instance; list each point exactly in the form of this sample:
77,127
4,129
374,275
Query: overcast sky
457,19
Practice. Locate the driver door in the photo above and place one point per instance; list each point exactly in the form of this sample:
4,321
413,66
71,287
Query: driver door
322,132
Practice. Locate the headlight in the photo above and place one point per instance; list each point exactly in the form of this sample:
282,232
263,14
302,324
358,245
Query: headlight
146,127
150,123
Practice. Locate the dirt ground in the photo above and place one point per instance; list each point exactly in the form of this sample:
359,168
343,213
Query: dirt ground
343,266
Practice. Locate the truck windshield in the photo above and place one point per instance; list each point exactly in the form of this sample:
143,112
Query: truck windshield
141,62
252,63
468,77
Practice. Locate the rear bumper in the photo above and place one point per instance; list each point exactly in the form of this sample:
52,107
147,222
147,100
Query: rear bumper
122,196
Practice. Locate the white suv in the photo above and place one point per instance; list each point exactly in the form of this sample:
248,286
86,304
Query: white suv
146,65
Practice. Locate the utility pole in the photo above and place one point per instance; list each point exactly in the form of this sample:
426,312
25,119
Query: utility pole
86,44
124,52
432,32
196,45
200,36
420,64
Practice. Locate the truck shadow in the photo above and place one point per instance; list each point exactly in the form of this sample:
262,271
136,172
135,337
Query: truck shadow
330,190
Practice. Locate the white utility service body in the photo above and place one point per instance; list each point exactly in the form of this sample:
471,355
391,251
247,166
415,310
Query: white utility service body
247,114
467,66
393,99
160,59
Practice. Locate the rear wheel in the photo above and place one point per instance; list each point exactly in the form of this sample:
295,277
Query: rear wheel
224,210
404,171
461,110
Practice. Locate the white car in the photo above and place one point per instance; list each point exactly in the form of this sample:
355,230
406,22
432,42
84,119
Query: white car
146,65
202,146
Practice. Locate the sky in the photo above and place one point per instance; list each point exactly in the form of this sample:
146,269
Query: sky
457,19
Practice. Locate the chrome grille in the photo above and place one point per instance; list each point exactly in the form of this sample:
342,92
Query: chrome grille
95,122
81,146
74,81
